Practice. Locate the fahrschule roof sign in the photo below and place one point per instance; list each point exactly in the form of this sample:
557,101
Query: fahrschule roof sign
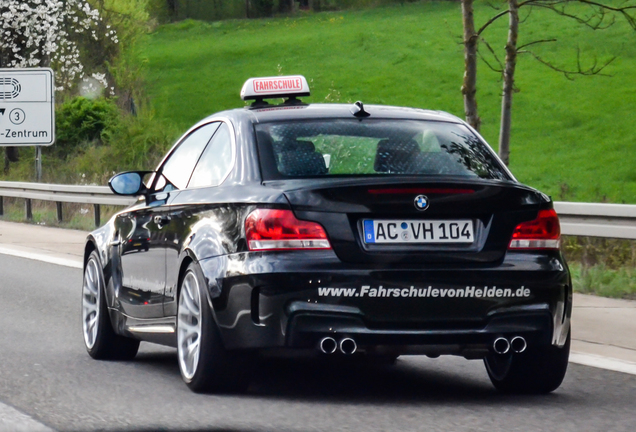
27,113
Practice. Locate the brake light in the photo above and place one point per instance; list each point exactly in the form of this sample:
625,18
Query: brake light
542,233
269,229
444,191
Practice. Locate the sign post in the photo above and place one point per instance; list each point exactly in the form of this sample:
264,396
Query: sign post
27,110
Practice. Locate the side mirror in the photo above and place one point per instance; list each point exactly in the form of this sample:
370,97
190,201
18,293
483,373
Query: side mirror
128,183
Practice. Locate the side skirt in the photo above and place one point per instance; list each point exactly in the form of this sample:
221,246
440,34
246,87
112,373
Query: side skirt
156,330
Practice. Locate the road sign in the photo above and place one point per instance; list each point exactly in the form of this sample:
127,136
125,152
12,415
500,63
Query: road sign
27,108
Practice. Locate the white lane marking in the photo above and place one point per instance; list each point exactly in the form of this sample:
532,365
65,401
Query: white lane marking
601,362
75,263
12,420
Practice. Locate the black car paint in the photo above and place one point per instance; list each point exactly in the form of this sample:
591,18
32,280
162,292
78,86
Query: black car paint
269,299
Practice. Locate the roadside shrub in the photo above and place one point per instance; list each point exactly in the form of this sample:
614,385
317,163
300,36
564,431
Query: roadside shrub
591,251
132,22
137,143
81,121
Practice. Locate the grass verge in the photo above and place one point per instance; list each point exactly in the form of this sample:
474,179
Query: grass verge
603,281
75,216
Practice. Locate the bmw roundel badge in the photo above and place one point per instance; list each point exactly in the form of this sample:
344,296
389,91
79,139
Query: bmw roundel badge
421,202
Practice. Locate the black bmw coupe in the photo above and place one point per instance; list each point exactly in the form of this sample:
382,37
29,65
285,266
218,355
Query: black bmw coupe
346,230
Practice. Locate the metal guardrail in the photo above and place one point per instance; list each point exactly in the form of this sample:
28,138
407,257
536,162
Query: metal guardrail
96,195
597,220
580,219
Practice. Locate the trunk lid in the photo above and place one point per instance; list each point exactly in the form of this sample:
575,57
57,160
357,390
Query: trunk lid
343,206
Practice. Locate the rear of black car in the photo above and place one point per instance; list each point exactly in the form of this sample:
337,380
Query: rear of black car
402,236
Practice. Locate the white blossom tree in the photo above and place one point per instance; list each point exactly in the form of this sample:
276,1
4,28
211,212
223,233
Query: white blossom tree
47,33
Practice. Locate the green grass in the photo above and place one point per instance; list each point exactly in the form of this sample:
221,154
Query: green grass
603,281
600,266
574,140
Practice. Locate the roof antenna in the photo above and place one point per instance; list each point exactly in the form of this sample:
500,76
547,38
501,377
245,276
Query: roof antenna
358,110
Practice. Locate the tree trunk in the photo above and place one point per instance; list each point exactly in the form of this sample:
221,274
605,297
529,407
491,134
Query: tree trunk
469,86
10,155
508,82
173,9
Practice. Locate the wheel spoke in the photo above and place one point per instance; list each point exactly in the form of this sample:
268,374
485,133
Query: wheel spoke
90,298
190,305
188,329
191,364
91,273
190,298
193,348
91,323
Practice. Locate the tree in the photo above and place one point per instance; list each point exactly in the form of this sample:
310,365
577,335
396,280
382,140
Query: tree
46,33
590,13
469,87
173,9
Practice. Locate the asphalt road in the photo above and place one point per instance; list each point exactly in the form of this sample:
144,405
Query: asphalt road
46,374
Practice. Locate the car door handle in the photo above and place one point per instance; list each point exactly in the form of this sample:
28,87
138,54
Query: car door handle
162,220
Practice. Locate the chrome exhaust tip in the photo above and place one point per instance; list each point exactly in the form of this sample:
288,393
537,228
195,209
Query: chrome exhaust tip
501,345
518,344
348,346
328,345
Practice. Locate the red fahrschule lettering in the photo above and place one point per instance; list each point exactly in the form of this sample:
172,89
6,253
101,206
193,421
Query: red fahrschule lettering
264,86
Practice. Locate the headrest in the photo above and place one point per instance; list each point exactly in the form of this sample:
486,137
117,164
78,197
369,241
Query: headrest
395,155
296,163
293,145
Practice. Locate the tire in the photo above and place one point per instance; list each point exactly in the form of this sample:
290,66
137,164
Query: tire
205,364
538,370
101,341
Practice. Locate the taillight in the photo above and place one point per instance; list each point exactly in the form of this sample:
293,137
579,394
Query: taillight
269,229
542,233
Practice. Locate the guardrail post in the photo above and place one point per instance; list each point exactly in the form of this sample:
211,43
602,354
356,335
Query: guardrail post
28,209
97,215
59,211
1,206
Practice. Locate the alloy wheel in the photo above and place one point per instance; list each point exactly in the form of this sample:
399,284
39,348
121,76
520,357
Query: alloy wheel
91,291
189,326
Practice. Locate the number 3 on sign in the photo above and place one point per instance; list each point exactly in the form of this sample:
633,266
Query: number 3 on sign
17,116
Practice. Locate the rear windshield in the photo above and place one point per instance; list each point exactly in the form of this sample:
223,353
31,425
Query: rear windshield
320,148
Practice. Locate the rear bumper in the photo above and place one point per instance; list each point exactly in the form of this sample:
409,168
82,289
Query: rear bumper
277,301
534,323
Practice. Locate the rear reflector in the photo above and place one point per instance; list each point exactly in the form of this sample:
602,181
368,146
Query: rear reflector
269,229
542,233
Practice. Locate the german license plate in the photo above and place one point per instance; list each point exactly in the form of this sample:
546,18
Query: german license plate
418,231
